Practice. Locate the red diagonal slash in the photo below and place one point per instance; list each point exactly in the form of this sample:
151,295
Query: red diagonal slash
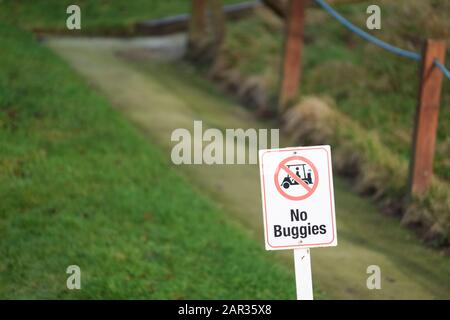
296,178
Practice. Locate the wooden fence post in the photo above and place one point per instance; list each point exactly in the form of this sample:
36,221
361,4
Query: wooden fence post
292,55
197,27
426,122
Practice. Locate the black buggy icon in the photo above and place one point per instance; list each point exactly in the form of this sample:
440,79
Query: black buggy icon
306,177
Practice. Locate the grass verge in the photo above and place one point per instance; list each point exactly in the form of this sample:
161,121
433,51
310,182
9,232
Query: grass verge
80,186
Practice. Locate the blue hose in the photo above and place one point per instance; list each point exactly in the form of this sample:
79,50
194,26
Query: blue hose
442,68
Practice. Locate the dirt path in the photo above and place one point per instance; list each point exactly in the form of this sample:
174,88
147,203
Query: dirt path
159,95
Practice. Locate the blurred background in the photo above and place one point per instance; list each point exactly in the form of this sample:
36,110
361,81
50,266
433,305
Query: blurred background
89,97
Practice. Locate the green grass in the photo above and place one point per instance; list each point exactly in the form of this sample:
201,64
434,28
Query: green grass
106,16
375,88
80,186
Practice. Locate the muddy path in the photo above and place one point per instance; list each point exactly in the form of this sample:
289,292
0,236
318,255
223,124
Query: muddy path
144,80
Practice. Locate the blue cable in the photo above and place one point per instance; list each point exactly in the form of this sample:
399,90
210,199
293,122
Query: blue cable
442,68
367,36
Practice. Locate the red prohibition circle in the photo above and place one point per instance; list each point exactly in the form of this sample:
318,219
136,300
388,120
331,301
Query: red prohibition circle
282,166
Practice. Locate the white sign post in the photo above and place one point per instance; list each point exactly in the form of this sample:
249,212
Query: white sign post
303,275
298,205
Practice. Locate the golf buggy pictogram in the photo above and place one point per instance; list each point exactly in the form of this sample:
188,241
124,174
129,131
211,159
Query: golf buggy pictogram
305,176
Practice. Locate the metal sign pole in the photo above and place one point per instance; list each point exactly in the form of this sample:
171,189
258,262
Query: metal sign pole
303,276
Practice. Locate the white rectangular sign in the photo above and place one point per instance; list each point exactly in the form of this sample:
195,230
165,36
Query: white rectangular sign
298,197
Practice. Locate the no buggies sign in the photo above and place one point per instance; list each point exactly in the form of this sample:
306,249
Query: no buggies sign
297,197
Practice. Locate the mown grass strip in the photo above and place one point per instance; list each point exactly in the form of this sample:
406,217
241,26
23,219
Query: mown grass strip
80,186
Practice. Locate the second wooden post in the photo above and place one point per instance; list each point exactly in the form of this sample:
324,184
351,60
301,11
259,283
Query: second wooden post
292,56
427,114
